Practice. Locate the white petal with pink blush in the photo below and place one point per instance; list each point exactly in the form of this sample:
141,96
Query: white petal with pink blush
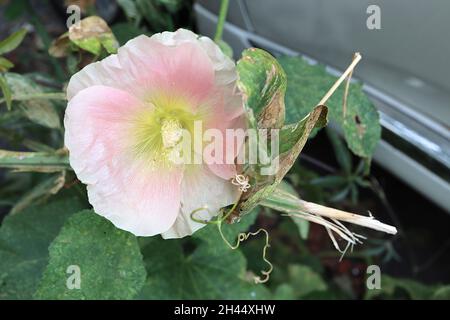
126,114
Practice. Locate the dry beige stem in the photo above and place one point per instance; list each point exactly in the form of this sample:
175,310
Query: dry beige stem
357,57
368,222
284,201
347,87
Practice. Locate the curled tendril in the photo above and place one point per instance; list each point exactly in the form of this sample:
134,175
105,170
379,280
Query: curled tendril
244,185
244,236
241,181
200,220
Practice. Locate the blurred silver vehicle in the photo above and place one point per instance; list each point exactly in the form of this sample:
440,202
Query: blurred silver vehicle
405,69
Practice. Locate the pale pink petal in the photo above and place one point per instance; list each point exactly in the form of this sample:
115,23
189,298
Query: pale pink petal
175,38
201,188
233,133
148,64
178,68
145,67
141,202
95,121
224,67
131,193
184,70
107,72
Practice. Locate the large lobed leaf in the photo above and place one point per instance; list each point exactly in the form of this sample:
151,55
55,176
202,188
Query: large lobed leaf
24,241
108,258
307,84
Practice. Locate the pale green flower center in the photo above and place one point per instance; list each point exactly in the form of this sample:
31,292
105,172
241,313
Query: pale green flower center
156,133
171,132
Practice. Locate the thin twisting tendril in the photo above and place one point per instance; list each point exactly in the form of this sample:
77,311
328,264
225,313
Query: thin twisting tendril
244,236
244,185
202,221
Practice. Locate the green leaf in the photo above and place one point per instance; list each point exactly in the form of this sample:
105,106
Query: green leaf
91,34
200,267
24,241
304,280
6,92
284,292
12,42
108,258
5,64
307,84
36,108
262,82
34,161
292,140
298,133
441,293
389,286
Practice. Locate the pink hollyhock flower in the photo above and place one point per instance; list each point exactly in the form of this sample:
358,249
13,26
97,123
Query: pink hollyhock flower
126,113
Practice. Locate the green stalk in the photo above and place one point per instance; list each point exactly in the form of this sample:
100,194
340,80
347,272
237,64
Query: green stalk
39,95
221,22
34,161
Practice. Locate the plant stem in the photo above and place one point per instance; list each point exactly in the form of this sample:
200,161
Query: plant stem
220,23
34,161
356,58
368,222
347,87
284,201
40,95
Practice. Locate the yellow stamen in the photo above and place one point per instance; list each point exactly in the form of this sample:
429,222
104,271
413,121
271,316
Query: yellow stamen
171,132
